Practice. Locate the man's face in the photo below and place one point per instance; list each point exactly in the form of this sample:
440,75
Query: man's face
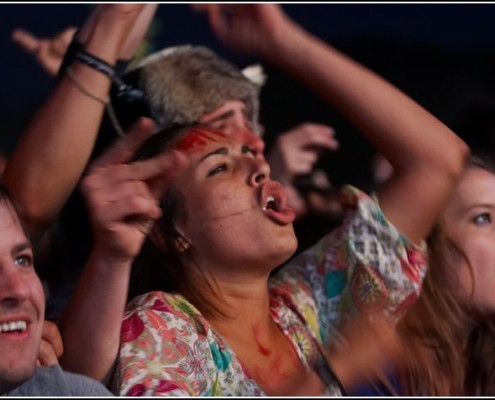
22,304
231,119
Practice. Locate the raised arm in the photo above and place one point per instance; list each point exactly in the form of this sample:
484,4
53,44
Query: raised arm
123,205
295,153
426,155
55,148
136,35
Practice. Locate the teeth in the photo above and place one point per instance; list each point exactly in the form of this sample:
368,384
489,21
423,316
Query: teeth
269,200
13,326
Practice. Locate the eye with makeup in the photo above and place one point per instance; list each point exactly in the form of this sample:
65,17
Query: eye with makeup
482,219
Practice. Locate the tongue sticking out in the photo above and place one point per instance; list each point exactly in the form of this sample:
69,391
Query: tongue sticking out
274,203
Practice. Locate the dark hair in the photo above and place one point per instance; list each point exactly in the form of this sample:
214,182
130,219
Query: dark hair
8,200
160,266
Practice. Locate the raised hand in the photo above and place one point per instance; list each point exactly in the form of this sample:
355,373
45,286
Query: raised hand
51,347
248,27
49,52
123,198
296,151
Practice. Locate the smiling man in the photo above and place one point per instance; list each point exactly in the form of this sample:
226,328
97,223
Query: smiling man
22,312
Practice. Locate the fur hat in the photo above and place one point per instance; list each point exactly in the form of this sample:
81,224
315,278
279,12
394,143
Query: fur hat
182,83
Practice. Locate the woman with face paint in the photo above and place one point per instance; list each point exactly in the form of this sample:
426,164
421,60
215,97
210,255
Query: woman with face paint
220,317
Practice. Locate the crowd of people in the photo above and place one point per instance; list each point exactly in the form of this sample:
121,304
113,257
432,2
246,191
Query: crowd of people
152,245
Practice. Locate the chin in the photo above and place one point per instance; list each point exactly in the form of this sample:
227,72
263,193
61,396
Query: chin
14,377
287,251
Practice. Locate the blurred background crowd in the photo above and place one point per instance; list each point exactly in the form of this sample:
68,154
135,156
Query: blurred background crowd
439,54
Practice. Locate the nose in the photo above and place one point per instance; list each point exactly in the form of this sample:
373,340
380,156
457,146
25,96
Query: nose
13,288
260,172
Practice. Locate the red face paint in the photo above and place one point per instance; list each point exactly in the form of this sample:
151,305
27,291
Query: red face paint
196,139
262,349
272,376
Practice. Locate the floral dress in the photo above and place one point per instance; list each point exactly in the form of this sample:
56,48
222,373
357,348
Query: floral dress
365,266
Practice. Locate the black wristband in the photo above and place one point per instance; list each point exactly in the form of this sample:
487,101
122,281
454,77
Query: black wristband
95,63
74,48
121,66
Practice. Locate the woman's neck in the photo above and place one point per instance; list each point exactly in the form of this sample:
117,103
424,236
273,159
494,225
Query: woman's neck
241,303
265,352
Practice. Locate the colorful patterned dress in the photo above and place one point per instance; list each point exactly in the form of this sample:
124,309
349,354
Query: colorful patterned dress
365,266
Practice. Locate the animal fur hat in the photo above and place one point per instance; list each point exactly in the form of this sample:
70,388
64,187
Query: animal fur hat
182,83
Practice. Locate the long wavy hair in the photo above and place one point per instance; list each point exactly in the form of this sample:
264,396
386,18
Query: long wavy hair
441,362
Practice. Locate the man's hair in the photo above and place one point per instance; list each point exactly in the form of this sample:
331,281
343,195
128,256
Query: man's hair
180,84
8,200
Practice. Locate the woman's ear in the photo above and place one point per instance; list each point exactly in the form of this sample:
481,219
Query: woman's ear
181,244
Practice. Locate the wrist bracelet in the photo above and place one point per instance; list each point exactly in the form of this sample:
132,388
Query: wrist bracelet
95,63
83,89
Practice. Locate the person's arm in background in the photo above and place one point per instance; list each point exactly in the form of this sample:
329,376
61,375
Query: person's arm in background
295,153
52,153
413,140
49,52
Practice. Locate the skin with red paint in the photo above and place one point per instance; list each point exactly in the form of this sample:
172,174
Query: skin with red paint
224,189
274,372
262,349
221,186
197,139
231,118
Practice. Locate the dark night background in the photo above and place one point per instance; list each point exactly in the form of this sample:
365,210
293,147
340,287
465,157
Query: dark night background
440,54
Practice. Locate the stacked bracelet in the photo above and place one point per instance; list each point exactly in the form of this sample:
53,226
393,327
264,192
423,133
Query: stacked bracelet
105,68
96,63
105,101
82,88
101,66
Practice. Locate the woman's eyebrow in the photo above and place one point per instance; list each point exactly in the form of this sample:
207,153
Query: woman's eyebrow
221,150
21,247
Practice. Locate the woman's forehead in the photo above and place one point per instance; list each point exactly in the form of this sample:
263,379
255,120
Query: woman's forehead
476,187
198,139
